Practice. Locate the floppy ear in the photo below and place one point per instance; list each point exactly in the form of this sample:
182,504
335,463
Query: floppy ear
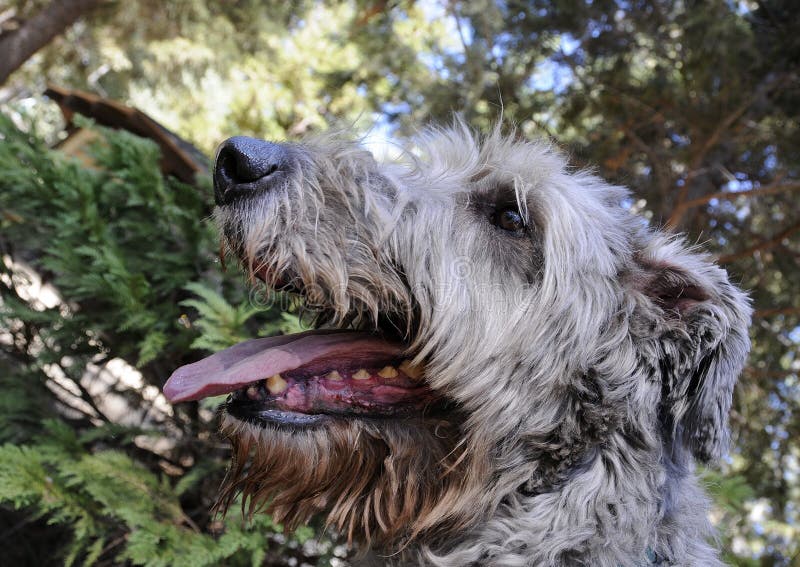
702,321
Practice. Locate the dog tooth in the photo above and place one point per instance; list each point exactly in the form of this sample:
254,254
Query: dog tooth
334,376
361,375
276,384
252,392
413,372
388,372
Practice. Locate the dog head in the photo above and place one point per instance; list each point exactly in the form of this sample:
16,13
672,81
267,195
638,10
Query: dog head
489,323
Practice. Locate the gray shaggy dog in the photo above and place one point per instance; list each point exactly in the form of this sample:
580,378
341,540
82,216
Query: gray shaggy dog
509,367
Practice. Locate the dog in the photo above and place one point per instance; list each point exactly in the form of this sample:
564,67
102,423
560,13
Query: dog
508,367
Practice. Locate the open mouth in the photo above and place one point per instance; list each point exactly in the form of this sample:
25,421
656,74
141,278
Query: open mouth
307,378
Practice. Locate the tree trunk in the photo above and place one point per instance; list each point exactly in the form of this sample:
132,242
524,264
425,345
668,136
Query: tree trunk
17,46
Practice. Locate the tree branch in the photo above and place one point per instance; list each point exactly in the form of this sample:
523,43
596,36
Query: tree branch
680,209
662,179
762,313
730,195
18,46
761,246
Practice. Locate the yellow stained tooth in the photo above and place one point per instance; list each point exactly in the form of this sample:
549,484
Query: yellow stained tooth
388,372
334,376
413,372
361,375
276,384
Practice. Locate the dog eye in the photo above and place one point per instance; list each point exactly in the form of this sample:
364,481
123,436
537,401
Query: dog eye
509,219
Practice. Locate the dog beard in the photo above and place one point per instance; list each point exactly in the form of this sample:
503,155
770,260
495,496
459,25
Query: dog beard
382,482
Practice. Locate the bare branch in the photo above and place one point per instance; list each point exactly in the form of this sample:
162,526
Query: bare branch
656,162
763,313
680,209
761,246
18,46
730,195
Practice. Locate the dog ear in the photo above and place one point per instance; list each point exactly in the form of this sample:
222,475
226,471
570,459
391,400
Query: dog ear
702,342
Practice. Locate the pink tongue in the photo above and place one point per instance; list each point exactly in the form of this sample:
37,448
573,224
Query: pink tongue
254,360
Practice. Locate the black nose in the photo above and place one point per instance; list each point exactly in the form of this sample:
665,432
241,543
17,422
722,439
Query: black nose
246,165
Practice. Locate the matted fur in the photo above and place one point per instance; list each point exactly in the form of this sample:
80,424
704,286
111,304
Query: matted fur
592,359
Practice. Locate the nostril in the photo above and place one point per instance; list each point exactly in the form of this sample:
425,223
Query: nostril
226,166
242,162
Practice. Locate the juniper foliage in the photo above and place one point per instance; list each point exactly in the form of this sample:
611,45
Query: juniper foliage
109,282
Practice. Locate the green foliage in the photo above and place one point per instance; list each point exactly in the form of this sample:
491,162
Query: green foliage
86,221
105,494
729,492
107,284
220,324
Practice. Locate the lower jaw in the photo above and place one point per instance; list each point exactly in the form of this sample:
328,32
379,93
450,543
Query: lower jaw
262,415
296,472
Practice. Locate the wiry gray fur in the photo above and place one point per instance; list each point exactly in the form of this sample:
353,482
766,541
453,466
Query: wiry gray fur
593,358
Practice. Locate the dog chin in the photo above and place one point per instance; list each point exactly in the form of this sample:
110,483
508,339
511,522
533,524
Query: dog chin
363,474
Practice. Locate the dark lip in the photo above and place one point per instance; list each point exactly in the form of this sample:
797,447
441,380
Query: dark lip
226,195
257,414
229,194
285,282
